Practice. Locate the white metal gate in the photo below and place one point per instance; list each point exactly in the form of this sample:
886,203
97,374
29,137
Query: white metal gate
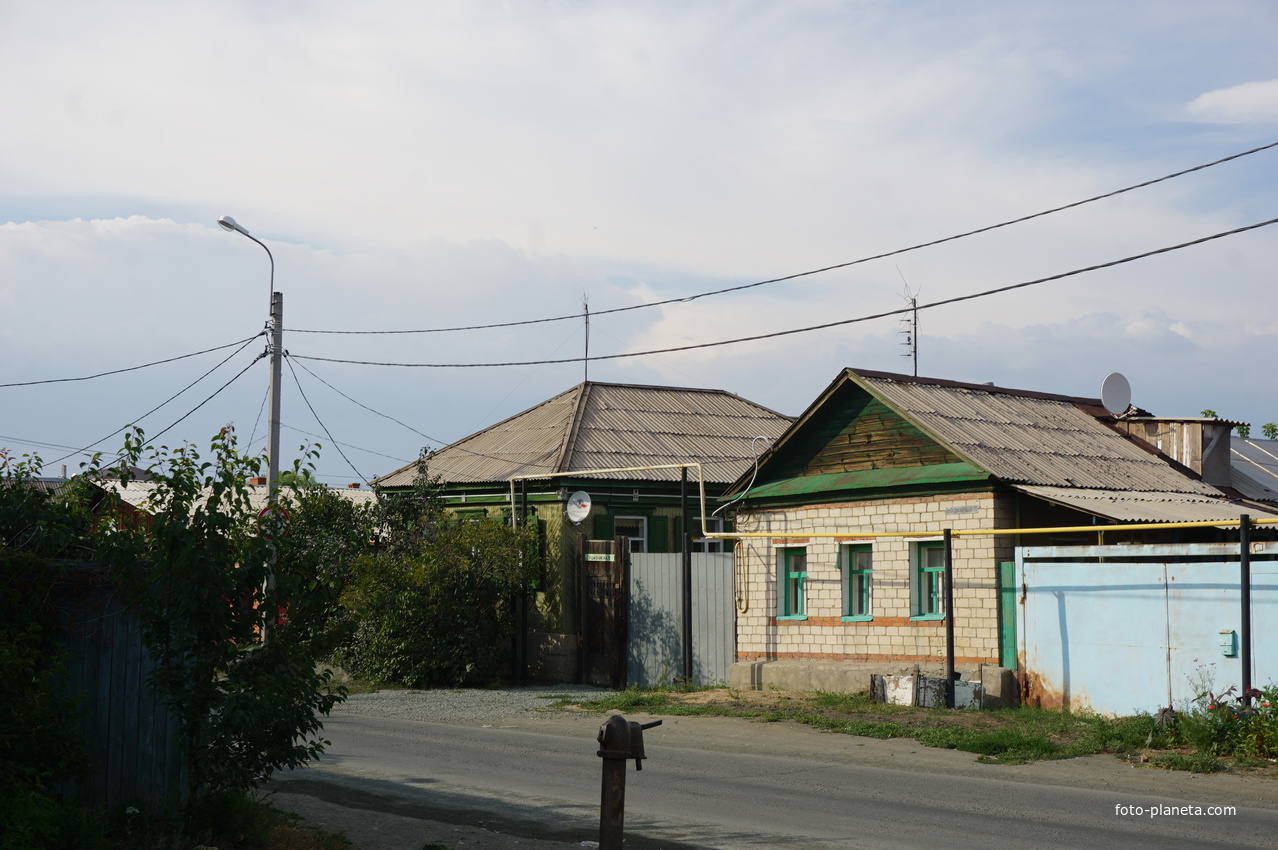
655,645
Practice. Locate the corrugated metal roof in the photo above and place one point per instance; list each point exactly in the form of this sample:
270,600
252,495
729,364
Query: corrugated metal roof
1134,506
606,426
1031,438
1253,468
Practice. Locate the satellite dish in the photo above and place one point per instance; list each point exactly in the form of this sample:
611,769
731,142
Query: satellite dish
1116,393
578,506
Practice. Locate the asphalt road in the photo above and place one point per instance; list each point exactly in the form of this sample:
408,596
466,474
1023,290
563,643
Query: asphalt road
721,783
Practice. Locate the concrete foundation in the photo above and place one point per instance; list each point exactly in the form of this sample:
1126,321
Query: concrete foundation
998,683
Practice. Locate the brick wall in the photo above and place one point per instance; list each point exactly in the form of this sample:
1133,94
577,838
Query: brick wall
894,632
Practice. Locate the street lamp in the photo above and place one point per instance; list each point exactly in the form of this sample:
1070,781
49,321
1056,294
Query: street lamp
275,325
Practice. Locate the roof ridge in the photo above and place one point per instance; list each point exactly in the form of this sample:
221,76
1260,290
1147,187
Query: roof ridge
987,388
568,442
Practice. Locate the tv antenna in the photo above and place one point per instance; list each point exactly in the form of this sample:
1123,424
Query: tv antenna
909,324
585,360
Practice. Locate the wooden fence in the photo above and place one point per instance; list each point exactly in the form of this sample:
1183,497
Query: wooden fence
132,736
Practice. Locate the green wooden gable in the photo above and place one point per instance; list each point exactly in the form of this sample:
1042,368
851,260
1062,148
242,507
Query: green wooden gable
854,443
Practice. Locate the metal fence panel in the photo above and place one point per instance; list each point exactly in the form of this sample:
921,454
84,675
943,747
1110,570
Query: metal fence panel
655,647
1119,630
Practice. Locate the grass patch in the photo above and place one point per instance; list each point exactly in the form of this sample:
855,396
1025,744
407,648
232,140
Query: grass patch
1007,736
1194,762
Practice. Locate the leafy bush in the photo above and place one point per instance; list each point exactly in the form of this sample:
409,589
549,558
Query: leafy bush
439,615
203,582
1222,724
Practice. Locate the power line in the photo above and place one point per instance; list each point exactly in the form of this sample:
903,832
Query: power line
884,255
366,407
336,444
409,427
774,334
163,403
132,368
215,393
348,445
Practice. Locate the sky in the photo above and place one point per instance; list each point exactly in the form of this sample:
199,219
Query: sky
430,166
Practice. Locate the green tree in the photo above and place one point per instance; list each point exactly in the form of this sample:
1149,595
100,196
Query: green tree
203,582
1270,430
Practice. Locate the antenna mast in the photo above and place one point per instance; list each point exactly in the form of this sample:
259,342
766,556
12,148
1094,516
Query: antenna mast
585,360
909,325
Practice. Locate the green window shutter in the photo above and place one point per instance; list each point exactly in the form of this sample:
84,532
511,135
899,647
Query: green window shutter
603,527
658,534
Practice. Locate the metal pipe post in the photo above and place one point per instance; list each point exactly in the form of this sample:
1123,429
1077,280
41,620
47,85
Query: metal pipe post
686,548
612,806
1244,569
949,618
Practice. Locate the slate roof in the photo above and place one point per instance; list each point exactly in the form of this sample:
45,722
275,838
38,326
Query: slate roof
606,426
1024,437
1055,447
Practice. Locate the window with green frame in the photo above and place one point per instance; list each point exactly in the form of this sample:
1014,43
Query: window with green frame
792,573
929,579
858,581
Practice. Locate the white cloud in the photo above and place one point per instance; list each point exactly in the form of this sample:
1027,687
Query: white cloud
1249,103
424,165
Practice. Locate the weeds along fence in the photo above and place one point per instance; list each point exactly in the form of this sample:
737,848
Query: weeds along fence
132,736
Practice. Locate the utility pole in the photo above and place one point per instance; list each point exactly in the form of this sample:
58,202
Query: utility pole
275,347
276,327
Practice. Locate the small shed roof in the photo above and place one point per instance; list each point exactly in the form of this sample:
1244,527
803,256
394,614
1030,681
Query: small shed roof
1254,468
1134,506
607,426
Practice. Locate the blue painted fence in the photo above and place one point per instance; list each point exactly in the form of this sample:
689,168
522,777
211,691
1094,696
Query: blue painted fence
1126,629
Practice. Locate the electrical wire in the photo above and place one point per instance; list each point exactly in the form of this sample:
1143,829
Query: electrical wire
238,375
336,444
366,407
774,334
530,465
163,403
132,368
253,434
348,445
882,256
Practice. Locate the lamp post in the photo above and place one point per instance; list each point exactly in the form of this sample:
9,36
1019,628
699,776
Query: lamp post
275,325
